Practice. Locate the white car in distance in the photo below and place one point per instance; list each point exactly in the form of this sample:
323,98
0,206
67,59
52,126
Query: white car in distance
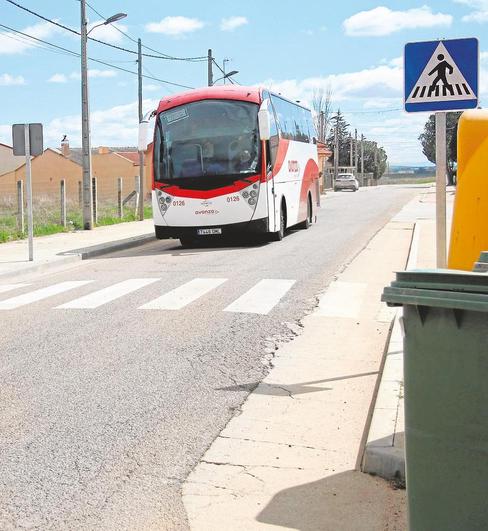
346,181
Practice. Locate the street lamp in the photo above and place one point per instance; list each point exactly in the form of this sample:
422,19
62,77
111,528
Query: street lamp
230,74
85,117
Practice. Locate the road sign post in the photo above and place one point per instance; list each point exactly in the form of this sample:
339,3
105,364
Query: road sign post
440,190
28,178
441,76
27,140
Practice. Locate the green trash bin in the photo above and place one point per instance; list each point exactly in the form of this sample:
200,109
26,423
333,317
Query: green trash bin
445,316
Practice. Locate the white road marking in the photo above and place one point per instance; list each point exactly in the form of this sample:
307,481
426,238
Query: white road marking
262,297
105,295
178,298
10,287
342,299
40,294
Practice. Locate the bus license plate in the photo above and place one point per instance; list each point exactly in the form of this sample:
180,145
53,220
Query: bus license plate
207,232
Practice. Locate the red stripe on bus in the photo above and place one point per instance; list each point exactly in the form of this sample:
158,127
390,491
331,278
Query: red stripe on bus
237,186
310,176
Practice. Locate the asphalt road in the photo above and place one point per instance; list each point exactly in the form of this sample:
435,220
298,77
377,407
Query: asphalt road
105,410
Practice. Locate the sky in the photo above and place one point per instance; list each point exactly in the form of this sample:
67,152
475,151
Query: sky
354,47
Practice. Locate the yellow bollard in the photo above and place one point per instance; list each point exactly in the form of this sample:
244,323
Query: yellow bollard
469,233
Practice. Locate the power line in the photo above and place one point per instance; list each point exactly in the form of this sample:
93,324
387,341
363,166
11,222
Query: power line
163,55
120,48
106,63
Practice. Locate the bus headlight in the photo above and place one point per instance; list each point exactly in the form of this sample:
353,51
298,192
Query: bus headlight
250,195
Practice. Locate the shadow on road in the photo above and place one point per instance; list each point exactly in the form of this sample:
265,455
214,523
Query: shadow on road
173,247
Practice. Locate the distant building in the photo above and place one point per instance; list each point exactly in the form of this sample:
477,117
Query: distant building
9,161
48,168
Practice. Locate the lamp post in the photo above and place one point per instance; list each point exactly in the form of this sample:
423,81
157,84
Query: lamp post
223,67
230,74
85,117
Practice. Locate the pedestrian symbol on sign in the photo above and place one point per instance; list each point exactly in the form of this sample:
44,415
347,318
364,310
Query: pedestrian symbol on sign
441,69
441,81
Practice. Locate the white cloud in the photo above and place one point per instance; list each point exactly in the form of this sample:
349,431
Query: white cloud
175,26
116,126
93,73
152,88
231,23
376,82
484,56
58,78
13,43
6,80
108,33
479,13
384,21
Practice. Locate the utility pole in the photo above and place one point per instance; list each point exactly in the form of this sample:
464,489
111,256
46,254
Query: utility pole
85,128
350,150
362,156
376,158
356,149
336,151
209,68
141,153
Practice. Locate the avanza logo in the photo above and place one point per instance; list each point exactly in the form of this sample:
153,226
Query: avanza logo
293,166
206,212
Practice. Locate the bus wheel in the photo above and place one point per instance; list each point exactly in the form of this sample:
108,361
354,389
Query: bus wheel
280,234
308,221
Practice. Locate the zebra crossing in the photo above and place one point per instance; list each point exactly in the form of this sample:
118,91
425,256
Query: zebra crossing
260,299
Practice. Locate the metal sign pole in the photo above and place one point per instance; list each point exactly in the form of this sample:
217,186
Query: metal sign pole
441,171
28,177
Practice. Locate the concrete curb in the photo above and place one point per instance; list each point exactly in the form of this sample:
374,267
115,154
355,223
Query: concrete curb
109,247
384,452
76,255
41,267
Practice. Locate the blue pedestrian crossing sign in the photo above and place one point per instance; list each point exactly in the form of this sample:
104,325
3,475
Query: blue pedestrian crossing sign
441,75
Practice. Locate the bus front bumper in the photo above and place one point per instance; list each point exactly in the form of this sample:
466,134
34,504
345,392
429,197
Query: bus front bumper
255,226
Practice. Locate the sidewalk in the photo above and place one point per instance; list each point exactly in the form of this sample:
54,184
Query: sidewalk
60,249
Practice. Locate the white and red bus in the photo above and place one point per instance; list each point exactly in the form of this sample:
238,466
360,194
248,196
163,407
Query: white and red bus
232,159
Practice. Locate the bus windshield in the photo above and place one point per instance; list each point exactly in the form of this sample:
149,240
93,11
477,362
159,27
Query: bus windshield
207,141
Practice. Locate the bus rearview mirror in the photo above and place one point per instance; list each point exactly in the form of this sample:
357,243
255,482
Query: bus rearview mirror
264,121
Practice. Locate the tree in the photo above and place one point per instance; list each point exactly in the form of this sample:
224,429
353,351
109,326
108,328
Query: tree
427,139
321,106
375,159
338,122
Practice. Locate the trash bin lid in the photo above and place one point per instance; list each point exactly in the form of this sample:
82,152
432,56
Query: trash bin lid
447,288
